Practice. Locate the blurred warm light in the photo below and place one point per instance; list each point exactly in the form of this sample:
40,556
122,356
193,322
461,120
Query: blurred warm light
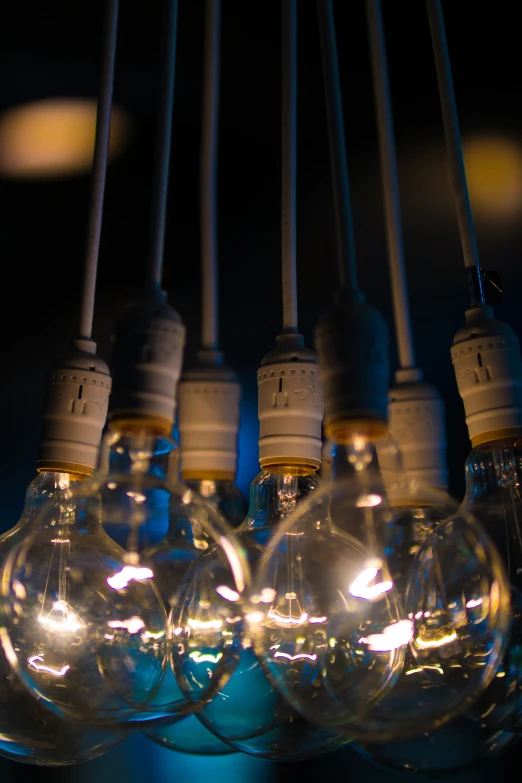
55,137
494,174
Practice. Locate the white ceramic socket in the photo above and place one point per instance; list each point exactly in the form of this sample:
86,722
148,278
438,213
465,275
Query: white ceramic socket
488,369
417,425
290,405
146,361
75,409
208,421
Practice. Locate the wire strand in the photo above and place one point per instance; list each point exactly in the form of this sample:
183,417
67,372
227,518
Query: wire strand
99,168
164,133
453,141
289,163
392,205
347,262
209,163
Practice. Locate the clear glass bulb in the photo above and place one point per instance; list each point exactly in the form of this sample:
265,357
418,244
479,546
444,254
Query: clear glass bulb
493,479
247,712
97,630
348,637
30,731
189,735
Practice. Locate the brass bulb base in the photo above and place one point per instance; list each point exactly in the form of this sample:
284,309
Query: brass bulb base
343,431
209,475
126,422
292,467
500,434
56,466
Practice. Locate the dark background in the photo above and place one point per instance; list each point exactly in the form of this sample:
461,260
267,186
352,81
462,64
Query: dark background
51,49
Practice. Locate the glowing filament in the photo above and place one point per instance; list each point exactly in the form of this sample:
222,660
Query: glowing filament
127,574
35,662
298,657
266,596
368,501
393,636
199,657
425,644
132,625
64,619
255,617
205,625
226,593
360,587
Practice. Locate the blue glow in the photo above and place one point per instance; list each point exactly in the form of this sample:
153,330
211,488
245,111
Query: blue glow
248,436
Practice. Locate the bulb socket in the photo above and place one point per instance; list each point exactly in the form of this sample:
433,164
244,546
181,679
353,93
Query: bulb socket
290,405
77,390
488,368
208,418
417,425
352,345
147,354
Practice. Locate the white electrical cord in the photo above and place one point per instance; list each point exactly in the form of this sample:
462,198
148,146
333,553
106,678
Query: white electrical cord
99,168
392,207
288,159
209,162
339,165
453,143
162,162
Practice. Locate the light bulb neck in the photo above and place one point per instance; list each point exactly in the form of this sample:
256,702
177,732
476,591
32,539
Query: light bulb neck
492,468
46,485
223,495
493,478
138,453
274,494
350,460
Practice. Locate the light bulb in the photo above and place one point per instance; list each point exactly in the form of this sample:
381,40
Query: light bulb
189,735
493,476
101,611
84,625
368,649
30,731
488,369
247,712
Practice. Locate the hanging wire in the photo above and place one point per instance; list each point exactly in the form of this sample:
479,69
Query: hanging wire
338,162
392,206
288,161
209,162
99,167
454,146
162,161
